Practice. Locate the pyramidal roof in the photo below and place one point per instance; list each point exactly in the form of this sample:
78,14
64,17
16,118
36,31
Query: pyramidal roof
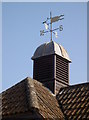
28,97
51,48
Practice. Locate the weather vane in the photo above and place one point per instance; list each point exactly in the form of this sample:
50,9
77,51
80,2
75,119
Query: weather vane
48,25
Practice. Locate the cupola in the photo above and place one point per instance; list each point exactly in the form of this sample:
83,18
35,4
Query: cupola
51,66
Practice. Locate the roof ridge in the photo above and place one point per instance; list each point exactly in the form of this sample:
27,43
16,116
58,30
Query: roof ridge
31,94
75,85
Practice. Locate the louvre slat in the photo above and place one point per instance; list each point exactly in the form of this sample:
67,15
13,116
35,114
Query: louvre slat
61,71
63,78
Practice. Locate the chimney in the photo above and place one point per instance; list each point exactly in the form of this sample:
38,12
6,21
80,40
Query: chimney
51,66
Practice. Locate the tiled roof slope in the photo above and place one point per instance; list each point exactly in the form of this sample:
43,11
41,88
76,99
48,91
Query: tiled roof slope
74,101
48,104
29,95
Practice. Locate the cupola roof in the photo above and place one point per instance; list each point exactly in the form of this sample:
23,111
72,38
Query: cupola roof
50,48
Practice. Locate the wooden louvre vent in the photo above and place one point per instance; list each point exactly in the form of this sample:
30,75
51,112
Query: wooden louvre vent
51,66
43,68
43,71
62,73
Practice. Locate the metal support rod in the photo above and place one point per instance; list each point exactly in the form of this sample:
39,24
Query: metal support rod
51,25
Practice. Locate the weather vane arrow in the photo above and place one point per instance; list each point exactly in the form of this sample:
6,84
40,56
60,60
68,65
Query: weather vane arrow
48,23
